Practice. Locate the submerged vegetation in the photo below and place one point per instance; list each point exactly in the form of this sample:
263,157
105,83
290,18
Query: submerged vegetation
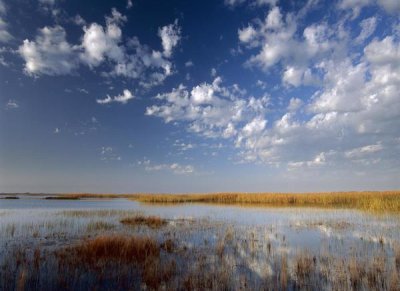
112,249
236,260
150,221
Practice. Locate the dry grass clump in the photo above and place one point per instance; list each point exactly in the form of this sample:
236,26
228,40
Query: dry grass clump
376,275
374,201
396,250
169,246
150,221
304,268
284,272
119,262
114,248
357,271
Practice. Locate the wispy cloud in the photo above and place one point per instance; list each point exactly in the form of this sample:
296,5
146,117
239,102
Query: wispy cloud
12,104
122,98
174,168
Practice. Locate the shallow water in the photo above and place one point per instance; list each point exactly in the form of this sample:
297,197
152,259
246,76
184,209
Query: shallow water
255,240
299,227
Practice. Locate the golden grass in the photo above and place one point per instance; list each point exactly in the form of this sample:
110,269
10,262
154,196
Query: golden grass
119,248
117,258
150,221
365,200
372,201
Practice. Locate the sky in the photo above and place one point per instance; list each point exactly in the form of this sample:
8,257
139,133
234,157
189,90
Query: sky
199,96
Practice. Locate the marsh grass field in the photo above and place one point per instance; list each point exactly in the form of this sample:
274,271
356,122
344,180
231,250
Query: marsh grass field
364,200
321,241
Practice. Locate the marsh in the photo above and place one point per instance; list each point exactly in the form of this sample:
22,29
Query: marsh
120,243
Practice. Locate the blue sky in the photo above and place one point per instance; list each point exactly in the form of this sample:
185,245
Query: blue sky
199,96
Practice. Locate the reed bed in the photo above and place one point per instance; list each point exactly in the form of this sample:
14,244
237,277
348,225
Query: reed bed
372,201
365,200
132,249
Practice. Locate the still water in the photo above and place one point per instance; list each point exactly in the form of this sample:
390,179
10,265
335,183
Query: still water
300,226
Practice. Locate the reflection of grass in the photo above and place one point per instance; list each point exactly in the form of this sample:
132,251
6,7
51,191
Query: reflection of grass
150,221
375,201
235,260
92,213
66,197
99,226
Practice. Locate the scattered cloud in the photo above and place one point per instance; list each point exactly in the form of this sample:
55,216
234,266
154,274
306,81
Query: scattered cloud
183,146
368,27
2,7
129,4
108,153
78,20
362,151
48,2
12,104
99,43
318,161
189,64
170,36
82,90
355,101
5,36
294,104
255,3
174,168
122,98
390,6
233,3
51,54
211,110
281,44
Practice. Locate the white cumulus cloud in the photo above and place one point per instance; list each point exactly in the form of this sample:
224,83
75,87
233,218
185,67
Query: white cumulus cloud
170,36
49,53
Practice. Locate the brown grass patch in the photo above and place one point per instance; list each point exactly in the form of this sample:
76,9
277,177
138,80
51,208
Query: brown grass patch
119,248
150,221
396,250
